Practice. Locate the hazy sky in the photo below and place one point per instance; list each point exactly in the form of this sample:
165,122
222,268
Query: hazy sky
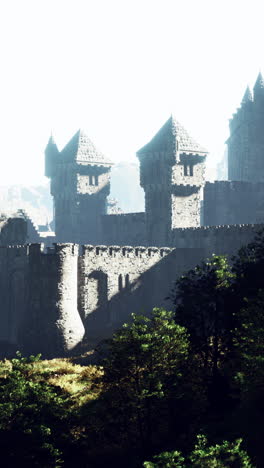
118,69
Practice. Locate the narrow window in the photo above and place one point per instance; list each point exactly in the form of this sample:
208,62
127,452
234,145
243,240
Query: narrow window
90,180
120,283
127,280
191,170
96,180
185,169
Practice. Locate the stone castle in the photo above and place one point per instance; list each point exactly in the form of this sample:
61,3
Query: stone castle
85,281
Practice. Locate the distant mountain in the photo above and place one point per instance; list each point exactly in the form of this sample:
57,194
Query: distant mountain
37,201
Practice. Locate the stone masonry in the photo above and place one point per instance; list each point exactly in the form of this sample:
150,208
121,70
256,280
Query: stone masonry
104,267
240,199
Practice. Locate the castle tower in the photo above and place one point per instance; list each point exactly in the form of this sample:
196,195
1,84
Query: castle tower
50,322
80,184
171,173
246,141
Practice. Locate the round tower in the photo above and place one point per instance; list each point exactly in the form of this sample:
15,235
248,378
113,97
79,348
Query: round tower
51,324
51,158
68,324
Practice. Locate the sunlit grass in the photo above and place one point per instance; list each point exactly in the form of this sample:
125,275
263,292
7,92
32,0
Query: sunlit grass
78,381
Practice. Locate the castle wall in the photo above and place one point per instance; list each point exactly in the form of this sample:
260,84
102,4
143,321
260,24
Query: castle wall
13,290
116,281
52,315
49,300
124,229
39,299
13,231
236,202
219,240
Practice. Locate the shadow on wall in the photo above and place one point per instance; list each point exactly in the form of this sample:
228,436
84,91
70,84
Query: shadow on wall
139,296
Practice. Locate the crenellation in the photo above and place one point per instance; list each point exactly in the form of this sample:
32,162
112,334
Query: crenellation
104,267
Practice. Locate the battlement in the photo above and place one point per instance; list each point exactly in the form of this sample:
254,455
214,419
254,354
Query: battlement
12,251
115,217
221,240
233,202
124,251
235,185
232,227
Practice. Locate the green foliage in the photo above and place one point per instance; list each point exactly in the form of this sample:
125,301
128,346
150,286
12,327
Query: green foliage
201,299
249,340
145,380
165,378
166,460
32,414
147,354
226,455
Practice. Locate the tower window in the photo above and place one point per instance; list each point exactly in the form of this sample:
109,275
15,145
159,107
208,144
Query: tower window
188,169
93,179
127,280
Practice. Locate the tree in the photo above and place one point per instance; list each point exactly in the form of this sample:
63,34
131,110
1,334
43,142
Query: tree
225,455
249,374
248,269
32,417
147,392
201,300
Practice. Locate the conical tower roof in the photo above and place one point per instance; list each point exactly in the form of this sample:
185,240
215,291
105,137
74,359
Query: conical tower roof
51,144
171,132
81,149
248,97
259,82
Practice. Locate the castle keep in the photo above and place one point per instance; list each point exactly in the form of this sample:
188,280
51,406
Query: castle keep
103,267
240,200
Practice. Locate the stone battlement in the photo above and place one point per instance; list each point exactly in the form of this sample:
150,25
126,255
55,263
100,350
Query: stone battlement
238,185
124,251
223,227
220,240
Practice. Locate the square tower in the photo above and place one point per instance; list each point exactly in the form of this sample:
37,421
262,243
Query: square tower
246,140
80,184
172,167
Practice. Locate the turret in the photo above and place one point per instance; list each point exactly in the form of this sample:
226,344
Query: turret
259,88
246,140
248,97
51,324
171,173
51,158
80,184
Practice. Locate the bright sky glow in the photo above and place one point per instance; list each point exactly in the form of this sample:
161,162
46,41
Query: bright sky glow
118,69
